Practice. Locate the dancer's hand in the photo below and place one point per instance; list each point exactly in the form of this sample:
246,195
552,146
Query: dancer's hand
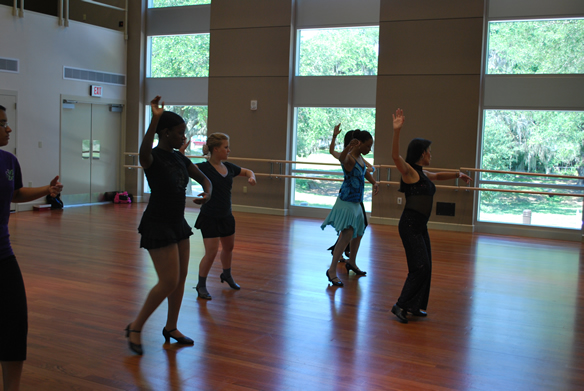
157,106
337,130
398,119
55,187
201,198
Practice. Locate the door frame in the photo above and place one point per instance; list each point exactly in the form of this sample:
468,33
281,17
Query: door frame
97,101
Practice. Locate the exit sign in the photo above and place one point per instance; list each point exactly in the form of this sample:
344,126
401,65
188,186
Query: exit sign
96,91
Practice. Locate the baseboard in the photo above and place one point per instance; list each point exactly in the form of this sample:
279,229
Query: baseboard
574,235
259,210
431,224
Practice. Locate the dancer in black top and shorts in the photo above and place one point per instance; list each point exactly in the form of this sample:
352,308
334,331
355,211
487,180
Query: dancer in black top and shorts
215,220
165,232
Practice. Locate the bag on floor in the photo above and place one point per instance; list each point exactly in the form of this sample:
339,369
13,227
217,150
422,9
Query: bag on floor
122,198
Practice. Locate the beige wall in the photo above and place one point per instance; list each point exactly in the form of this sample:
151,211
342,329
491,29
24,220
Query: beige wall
250,59
430,66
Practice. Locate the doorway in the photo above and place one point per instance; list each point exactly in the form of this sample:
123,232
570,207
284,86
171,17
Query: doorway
90,150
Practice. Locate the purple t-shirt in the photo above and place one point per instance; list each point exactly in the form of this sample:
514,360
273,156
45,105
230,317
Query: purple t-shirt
10,180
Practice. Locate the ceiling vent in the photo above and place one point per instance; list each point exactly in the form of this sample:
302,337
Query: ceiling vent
8,65
93,76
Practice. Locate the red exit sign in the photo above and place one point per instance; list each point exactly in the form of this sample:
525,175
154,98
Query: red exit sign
96,91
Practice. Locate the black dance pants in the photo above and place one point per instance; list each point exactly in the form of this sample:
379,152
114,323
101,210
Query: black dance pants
413,231
13,312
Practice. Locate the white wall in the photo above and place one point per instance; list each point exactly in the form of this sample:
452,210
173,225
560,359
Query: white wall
43,48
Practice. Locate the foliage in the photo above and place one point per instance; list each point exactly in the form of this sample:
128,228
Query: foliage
339,52
196,119
314,129
532,47
177,3
180,56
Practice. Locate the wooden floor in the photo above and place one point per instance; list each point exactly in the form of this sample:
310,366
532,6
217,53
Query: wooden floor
505,313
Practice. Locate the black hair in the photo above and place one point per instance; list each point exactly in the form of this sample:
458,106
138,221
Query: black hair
362,135
168,120
416,149
348,138
2,108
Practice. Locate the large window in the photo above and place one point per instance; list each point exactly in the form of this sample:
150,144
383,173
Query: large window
338,51
536,47
179,56
543,142
314,131
175,3
196,120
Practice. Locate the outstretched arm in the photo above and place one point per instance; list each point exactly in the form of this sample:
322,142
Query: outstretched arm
25,194
146,147
202,179
251,179
336,132
443,176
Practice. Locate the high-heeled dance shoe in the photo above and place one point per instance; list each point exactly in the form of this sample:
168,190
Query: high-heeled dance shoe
203,293
134,347
418,312
338,281
358,272
400,313
180,340
230,281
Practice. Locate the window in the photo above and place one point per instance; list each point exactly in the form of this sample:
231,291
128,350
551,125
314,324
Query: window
179,56
338,52
196,120
175,3
536,47
314,131
545,142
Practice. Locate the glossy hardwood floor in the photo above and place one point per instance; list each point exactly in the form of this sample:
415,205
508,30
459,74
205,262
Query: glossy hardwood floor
505,313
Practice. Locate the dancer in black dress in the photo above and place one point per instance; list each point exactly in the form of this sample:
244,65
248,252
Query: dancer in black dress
417,185
215,220
165,232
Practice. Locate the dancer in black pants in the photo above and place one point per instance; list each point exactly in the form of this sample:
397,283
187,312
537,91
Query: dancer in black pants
417,185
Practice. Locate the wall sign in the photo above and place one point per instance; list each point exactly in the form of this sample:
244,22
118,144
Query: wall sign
96,91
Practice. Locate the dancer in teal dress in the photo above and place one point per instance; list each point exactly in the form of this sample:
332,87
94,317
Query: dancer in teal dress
346,215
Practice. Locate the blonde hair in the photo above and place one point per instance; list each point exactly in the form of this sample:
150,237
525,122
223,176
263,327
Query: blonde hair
213,141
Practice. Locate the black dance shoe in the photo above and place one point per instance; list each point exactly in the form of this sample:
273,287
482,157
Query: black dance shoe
418,313
400,313
181,340
338,281
358,272
230,281
203,293
134,347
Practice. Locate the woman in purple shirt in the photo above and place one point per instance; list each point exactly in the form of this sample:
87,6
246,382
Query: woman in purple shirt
14,327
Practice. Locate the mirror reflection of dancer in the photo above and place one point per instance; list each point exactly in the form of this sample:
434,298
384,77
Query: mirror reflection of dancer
346,216
215,220
165,232
417,185
368,176
14,323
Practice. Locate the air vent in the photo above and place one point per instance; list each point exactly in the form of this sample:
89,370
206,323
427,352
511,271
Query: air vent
8,65
87,75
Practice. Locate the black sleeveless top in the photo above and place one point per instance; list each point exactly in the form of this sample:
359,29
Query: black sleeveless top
419,195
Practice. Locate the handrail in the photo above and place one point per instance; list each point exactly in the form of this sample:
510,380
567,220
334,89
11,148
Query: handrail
467,188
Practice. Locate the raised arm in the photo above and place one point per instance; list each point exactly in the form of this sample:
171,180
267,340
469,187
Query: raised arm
336,132
146,147
25,194
409,175
251,179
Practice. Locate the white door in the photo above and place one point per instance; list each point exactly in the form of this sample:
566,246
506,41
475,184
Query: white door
90,152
